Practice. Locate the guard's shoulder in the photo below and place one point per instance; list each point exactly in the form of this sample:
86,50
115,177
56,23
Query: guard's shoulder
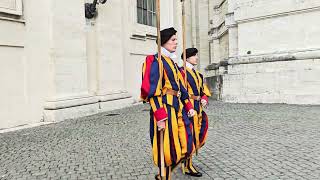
150,57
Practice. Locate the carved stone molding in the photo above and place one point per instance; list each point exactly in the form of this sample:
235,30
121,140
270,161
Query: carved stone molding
11,7
305,54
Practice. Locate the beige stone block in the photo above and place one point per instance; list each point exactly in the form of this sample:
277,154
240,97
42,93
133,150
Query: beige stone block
70,113
250,9
117,104
70,76
14,103
278,34
307,99
293,81
12,33
232,70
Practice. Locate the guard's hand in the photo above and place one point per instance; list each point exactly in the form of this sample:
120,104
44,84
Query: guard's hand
204,103
161,124
191,113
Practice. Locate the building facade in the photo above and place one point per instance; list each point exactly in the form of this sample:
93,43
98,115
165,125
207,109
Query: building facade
56,64
266,51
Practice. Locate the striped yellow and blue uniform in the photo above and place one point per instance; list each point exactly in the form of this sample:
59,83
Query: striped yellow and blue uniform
197,87
178,143
198,90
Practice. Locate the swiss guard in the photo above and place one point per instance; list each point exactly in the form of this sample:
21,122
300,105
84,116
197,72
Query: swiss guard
164,89
199,93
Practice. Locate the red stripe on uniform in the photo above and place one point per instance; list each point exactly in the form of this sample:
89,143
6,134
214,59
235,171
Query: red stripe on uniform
145,86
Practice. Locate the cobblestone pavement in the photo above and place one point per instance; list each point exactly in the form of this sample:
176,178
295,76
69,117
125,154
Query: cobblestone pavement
246,141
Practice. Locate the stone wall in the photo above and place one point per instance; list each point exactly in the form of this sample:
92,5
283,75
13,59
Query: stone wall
24,63
56,64
277,59
292,82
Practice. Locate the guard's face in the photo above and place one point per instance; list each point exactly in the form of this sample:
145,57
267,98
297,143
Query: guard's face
172,44
193,60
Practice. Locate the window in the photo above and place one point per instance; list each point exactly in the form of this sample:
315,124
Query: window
146,12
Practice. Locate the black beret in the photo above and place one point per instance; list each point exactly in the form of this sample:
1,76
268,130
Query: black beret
166,34
190,52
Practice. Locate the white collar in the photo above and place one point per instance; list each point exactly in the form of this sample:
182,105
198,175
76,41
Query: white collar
189,65
170,55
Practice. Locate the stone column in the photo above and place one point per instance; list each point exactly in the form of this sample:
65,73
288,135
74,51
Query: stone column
216,49
203,28
92,58
68,72
111,42
233,34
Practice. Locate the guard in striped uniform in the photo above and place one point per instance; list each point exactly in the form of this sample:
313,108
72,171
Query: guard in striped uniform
199,93
163,87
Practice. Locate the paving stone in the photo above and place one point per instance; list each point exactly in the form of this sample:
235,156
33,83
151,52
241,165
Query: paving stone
245,141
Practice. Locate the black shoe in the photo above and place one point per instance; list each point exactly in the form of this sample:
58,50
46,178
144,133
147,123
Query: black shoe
197,174
157,177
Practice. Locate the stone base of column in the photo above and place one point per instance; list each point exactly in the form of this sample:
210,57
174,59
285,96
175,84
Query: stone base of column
114,101
289,81
70,108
